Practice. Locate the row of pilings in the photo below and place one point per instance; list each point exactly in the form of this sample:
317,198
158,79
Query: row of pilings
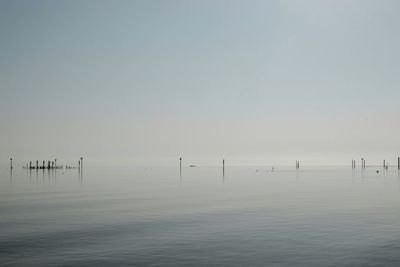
44,165
48,165
385,164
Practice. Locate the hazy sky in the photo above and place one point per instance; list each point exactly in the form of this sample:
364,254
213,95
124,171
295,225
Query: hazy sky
252,81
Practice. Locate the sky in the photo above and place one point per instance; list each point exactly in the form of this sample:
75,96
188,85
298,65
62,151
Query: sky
254,82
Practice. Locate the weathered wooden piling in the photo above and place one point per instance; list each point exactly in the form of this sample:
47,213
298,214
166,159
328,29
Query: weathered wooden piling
81,164
43,167
398,163
223,167
11,165
180,165
384,164
30,164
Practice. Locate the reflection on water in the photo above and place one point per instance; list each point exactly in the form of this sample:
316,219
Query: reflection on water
80,175
145,216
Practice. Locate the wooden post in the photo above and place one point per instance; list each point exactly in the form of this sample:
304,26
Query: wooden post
55,163
81,164
398,163
11,166
37,165
384,165
223,167
43,165
180,165
48,165
30,165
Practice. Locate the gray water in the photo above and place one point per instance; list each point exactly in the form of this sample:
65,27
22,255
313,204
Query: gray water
141,216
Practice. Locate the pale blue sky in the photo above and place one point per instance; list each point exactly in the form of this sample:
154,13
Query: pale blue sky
136,80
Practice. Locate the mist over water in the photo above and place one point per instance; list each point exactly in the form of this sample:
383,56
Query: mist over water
251,215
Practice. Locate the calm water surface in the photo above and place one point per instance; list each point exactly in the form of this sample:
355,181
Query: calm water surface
153,216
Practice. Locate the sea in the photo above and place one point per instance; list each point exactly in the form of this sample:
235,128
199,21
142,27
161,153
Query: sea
200,216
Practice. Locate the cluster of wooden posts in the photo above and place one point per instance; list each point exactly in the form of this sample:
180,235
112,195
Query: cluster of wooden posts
385,164
49,165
